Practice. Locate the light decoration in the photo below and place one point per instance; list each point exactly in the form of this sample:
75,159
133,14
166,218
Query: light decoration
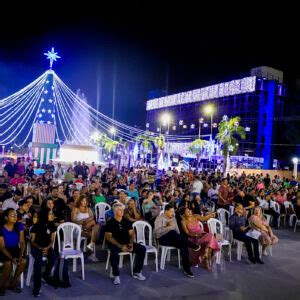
234,87
225,118
192,126
174,127
215,125
52,56
20,111
184,126
180,122
147,125
205,125
247,129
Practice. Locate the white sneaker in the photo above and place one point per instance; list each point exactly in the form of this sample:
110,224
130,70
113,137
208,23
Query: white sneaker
139,276
93,258
265,253
91,246
117,280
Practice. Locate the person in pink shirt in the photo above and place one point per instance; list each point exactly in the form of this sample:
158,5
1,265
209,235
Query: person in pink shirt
17,179
260,185
281,197
93,170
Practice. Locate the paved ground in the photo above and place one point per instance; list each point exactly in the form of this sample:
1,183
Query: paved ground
278,278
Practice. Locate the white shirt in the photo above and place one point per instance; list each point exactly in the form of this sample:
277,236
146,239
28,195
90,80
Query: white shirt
213,194
10,203
265,204
197,187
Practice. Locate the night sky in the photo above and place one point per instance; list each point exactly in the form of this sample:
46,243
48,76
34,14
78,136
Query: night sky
195,45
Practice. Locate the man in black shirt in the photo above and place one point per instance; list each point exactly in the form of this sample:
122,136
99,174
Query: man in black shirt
60,206
42,240
120,236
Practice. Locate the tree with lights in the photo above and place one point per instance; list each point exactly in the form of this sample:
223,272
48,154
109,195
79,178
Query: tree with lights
229,129
196,147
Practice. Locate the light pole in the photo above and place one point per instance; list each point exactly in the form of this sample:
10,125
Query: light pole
209,109
200,122
112,130
295,170
165,120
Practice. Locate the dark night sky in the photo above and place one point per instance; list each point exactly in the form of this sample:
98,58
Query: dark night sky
199,45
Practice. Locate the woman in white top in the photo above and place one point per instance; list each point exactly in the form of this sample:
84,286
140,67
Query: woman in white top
83,215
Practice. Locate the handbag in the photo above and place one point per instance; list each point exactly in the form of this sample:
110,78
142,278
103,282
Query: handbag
253,233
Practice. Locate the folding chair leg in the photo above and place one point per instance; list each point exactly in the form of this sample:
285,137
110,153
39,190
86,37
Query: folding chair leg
146,259
74,264
179,259
82,268
107,260
156,261
131,264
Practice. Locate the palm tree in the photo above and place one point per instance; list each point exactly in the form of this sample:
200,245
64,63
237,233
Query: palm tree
228,129
147,142
160,142
196,147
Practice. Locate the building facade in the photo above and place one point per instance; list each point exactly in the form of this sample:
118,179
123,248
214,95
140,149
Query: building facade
258,100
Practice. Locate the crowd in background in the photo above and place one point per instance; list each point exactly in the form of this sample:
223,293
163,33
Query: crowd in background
33,205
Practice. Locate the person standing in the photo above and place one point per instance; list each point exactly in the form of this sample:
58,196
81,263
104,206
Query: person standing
224,200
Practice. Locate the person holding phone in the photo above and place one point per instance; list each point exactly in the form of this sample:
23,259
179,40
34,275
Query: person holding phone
120,237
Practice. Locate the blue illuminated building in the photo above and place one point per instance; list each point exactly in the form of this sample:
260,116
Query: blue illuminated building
258,99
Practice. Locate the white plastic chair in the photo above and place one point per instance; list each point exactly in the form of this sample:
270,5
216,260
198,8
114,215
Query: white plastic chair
297,221
215,226
121,254
277,209
14,270
166,251
210,205
100,211
140,229
21,276
231,210
268,218
201,225
70,246
223,216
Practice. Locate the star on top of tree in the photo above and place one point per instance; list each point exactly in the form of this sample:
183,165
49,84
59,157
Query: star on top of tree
52,56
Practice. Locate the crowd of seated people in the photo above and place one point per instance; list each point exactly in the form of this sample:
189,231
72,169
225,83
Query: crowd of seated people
174,203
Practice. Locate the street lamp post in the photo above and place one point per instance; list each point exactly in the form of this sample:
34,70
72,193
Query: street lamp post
208,109
295,170
200,122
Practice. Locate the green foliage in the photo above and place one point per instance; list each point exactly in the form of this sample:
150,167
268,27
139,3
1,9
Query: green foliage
197,146
228,131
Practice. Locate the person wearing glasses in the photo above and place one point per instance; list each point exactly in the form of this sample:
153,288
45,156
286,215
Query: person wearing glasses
12,246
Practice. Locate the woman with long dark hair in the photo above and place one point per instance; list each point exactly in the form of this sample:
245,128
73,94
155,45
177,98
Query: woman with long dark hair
42,240
12,246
